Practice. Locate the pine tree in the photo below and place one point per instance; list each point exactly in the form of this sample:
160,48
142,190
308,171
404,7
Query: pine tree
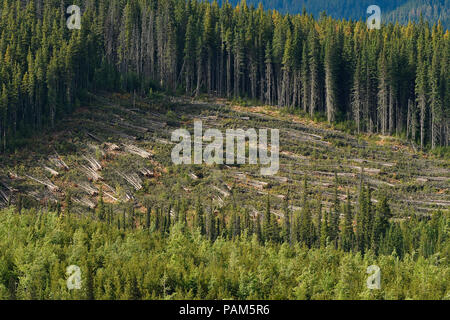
199,222
347,237
335,214
314,71
381,222
269,223
148,217
287,218
331,55
324,231
101,212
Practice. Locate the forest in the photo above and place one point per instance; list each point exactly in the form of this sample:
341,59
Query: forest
401,11
86,177
388,81
154,256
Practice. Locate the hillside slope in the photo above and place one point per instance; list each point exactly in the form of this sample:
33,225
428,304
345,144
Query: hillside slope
123,147
397,10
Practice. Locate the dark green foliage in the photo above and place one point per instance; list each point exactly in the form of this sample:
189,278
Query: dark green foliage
391,80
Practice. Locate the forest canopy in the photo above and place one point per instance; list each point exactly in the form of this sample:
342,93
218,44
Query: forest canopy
388,81
143,263
401,11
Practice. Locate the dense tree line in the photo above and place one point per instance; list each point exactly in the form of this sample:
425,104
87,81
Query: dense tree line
159,256
436,10
402,11
355,225
391,81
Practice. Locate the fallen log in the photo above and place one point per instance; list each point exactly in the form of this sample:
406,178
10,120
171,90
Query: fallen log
127,125
132,179
48,184
110,196
193,176
95,165
94,137
10,189
3,197
260,185
112,147
52,172
109,187
223,192
58,161
147,173
138,151
90,190
281,179
91,173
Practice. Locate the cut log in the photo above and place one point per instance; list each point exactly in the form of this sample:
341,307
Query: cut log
193,176
92,173
52,172
9,188
3,197
147,173
95,165
89,189
132,179
223,192
48,184
260,185
127,125
94,137
112,147
110,196
59,162
138,151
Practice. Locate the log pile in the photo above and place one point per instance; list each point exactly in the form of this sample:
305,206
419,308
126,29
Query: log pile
223,192
259,185
94,164
92,174
132,179
89,189
147,173
4,198
138,151
10,189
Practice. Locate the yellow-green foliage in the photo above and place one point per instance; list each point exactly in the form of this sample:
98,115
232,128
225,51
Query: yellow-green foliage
36,248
